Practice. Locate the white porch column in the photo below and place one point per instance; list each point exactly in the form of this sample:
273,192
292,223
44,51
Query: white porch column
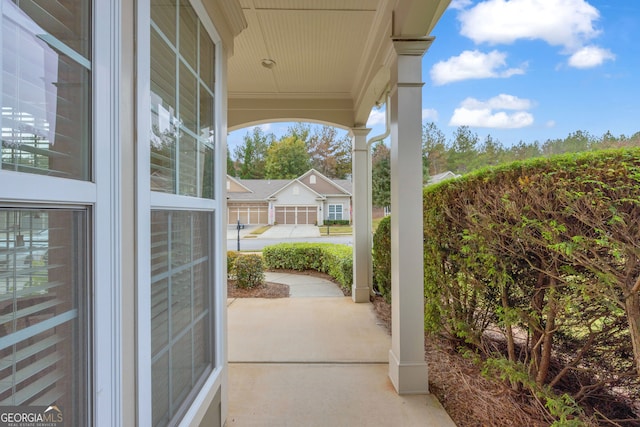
407,367
361,170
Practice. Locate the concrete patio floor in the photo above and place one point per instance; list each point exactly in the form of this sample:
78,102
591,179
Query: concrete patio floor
315,361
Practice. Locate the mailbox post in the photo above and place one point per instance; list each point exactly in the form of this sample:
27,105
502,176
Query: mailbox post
238,227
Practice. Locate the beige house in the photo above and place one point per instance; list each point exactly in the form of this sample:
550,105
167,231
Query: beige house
311,198
113,206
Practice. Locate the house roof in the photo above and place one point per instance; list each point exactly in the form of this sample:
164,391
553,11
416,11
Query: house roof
263,189
434,179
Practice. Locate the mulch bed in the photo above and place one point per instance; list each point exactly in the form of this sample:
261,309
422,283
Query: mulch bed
267,290
470,399
274,290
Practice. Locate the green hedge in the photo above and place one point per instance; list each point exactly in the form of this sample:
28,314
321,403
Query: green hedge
382,258
231,262
544,254
535,266
333,259
336,222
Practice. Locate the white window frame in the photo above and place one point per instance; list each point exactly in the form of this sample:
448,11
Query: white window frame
100,197
147,200
335,205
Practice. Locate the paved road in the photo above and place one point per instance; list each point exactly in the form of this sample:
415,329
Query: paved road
258,244
280,234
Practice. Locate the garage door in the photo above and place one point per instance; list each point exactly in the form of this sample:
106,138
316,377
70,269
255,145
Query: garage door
248,214
296,214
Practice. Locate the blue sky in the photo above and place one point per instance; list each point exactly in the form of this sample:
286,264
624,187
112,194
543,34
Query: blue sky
526,70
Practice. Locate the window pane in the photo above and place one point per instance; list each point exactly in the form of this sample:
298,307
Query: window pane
160,380
182,115
43,314
46,80
188,34
207,59
181,344
193,166
188,99
163,14
206,113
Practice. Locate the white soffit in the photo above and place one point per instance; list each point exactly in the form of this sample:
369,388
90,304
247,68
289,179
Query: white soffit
307,41
324,50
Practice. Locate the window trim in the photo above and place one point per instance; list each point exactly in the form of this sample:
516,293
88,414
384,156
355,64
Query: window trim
335,205
107,217
100,197
148,200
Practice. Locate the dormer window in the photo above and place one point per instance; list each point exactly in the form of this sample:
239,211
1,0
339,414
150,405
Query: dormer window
296,190
228,185
312,179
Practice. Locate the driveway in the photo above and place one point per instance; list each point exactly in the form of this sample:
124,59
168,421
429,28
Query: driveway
282,231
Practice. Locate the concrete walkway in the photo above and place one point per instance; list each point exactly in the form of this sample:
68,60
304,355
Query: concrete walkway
305,286
284,231
320,361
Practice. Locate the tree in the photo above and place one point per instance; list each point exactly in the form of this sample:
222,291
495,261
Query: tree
251,154
231,166
381,175
491,152
287,159
434,151
330,154
463,152
300,131
523,151
573,143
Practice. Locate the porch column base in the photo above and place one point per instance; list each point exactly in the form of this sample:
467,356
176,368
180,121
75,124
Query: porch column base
408,377
360,294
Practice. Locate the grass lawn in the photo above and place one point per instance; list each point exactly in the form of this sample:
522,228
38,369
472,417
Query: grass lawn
335,230
374,224
260,230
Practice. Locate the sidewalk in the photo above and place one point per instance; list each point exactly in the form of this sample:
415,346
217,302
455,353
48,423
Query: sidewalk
280,231
320,361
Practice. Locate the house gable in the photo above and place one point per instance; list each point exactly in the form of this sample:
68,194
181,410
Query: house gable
295,193
321,184
234,186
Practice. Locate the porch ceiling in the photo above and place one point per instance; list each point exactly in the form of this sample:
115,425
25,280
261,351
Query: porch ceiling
332,57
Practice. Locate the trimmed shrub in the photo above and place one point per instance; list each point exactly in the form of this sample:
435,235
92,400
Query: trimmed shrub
336,222
249,271
382,258
546,250
231,260
333,259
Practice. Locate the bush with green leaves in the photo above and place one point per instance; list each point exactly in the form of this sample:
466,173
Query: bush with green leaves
336,222
545,255
231,260
249,271
382,258
334,259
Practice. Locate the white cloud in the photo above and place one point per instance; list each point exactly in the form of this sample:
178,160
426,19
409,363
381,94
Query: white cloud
376,117
486,114
550,124
460,4
430,114
567,23
500,102
590,56
472,64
